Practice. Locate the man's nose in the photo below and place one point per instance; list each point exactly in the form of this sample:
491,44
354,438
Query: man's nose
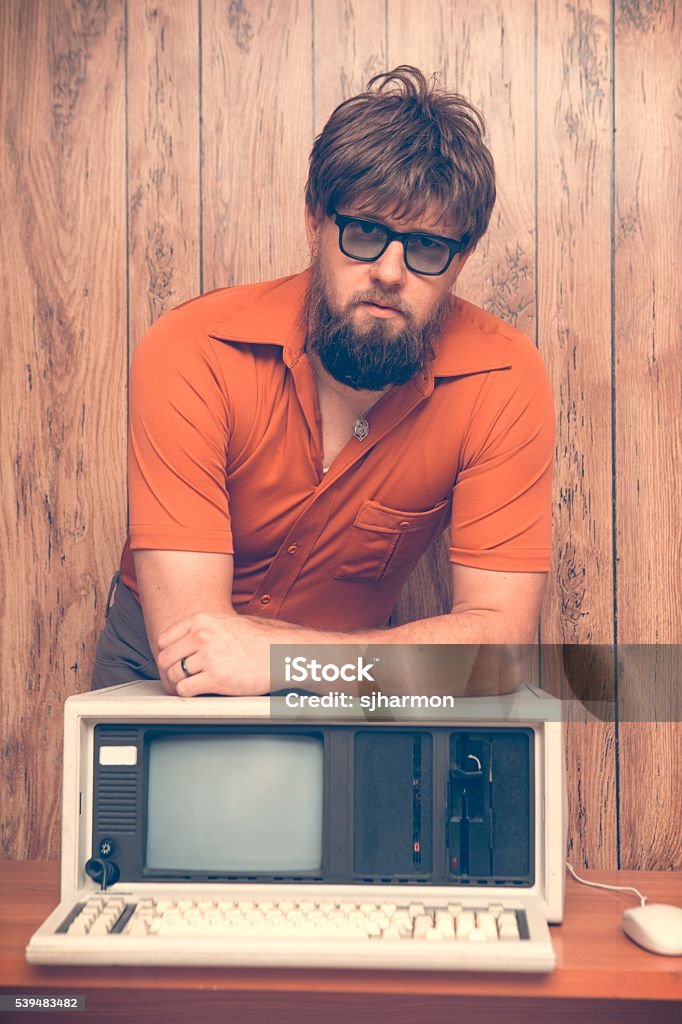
390,269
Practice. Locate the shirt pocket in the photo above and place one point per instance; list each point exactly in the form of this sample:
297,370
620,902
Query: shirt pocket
384,540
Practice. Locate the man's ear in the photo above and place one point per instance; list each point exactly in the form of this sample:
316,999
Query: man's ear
312,224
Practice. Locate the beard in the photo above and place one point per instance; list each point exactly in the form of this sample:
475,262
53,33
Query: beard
374,357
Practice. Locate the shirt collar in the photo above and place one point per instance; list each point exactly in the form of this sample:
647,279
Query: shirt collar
472,342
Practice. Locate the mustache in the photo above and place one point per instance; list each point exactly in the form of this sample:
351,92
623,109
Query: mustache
382,299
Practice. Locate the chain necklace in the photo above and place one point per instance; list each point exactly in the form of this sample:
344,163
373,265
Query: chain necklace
361,423
361,426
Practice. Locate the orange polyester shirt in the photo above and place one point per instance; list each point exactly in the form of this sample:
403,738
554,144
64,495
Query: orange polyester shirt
225,455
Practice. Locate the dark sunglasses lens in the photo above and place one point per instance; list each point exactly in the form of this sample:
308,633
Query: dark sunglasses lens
363,240
427,255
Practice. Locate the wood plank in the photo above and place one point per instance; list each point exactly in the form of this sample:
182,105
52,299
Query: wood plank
63,416
648,314
163,159
257,118
574,325
574,251
350,47
456,41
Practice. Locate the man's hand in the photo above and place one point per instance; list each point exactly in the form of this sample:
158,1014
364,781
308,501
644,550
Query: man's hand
225,653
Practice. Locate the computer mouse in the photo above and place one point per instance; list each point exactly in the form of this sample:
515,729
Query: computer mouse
655,926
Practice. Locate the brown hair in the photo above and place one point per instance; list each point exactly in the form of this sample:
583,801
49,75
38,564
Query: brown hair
401,147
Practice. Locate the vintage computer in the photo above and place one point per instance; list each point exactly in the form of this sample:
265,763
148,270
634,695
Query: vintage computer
237,831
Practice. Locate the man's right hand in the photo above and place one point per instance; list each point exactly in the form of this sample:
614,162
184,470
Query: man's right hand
175,585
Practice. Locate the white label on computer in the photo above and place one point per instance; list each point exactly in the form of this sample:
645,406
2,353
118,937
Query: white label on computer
118,755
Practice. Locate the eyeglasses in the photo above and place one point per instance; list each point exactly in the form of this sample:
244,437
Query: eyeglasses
367,240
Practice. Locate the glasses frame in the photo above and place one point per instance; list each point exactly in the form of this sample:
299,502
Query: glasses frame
454,245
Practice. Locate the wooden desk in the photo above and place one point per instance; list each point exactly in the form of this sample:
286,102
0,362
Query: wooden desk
601,976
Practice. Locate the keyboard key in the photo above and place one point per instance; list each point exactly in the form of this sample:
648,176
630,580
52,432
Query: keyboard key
445,924
138,926
81,926
102,926
401,917
422,924
487,923
115,903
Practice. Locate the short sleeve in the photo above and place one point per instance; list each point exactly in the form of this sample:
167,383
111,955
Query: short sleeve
502,499
178,440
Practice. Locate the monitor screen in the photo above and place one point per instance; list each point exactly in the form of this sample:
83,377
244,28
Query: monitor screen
228,802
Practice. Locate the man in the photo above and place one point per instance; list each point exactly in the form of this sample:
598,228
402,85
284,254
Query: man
296,445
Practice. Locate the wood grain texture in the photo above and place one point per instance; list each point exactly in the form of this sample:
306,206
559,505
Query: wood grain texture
648,384
456,41
349,45
253,80
62,254
600,975
257,133
574,325
163,158
574,289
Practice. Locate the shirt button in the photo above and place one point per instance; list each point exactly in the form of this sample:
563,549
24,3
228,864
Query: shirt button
292,549
404,525
265,599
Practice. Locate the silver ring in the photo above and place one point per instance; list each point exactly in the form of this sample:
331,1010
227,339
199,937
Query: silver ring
184,667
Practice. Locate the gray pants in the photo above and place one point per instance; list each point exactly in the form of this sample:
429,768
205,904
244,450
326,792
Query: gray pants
123,651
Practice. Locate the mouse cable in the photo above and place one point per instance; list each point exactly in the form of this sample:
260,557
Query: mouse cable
603,885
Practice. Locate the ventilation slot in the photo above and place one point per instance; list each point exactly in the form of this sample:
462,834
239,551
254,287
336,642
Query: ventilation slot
117,801
118,734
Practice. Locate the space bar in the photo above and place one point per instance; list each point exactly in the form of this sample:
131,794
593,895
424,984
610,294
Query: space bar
264,931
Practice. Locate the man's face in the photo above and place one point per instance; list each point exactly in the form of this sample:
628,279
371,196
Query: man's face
374,324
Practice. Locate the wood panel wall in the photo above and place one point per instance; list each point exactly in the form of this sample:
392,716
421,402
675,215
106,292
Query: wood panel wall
153,150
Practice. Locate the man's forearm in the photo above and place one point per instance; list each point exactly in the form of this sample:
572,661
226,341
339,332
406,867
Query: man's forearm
470,627
466,652
460,653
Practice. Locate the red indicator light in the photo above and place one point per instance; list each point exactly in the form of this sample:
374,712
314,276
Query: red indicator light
416,847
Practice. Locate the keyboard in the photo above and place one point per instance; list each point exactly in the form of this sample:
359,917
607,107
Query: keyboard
198,929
